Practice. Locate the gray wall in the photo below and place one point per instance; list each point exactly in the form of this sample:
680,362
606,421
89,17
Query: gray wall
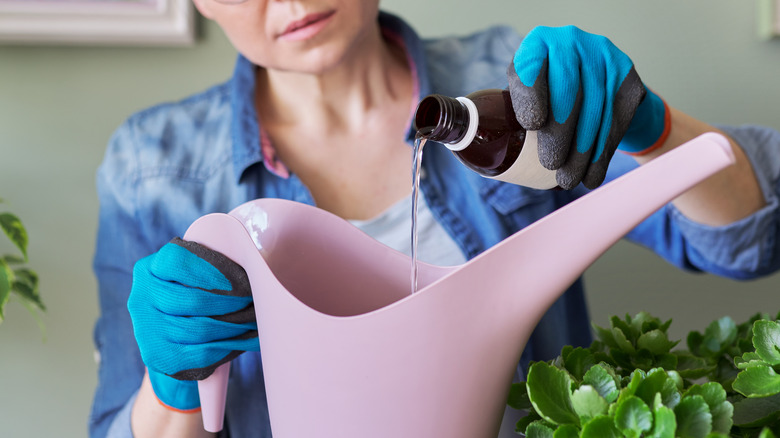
58,106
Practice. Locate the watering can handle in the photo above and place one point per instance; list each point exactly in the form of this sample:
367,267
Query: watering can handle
213,394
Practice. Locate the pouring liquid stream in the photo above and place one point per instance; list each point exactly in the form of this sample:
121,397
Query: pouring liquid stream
417,151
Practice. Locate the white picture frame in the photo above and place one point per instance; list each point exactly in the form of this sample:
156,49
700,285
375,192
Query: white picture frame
769,18
99,22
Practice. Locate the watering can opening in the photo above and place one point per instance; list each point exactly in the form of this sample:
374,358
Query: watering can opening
326,263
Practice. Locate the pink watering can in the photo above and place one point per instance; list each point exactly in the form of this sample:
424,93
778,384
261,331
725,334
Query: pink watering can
345,341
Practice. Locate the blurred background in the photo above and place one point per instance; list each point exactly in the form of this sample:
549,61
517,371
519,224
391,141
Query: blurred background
60,103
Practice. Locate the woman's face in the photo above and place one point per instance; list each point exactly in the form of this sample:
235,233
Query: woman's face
307,36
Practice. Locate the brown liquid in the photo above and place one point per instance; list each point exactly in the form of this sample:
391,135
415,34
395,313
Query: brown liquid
499,137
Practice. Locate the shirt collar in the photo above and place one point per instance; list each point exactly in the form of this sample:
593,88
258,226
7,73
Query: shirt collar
245,129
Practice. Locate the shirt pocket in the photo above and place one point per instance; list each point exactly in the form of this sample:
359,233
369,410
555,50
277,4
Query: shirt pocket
508,198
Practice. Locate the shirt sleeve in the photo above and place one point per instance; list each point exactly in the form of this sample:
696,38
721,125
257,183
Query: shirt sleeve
119,245
747,248
744,249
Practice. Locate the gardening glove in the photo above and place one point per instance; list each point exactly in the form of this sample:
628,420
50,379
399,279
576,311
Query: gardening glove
192,311
582,95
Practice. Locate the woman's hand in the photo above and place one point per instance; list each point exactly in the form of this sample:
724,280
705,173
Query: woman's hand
585,98
192,311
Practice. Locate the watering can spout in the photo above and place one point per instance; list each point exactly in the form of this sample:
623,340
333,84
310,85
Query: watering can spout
344,341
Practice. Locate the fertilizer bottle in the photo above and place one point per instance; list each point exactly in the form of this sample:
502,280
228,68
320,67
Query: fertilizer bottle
482,131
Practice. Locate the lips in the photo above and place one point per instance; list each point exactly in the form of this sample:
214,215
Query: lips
309,21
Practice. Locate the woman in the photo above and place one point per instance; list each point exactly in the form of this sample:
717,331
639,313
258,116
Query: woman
319,111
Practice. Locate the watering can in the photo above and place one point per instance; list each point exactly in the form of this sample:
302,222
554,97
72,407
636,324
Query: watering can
344,339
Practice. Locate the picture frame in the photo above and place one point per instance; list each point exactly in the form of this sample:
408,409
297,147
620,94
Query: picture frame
98,22
769,18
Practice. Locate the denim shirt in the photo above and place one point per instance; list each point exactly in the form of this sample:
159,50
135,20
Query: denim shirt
169,165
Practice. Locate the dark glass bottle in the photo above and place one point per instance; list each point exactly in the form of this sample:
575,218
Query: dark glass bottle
482,131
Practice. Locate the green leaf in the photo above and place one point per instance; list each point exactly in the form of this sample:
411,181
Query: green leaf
719,335
6,282
578,361
664,424
715,397
549,389
518,396
749,359
603,381
538,429
588,403
622,341
766,338
633,417
13,259
757,381
605,335
766,433
523,422
694,341
26,287
655,341
567,431
15,231
693,416
693,367
658,381
756,412
600,427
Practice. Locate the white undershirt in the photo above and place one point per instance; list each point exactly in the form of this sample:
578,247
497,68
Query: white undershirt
393,227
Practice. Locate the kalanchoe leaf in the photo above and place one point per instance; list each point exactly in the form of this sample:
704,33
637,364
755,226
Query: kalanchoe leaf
523,422
621,359
750,358
622,340
628,332
588,403
567,431
603,379
719,335
693,416
600,427
605,336
664,422
694,341
658,381
578,361
715,397
757,381
667,361
15,231
757,412
538,429
655,341
633,417
766,338
518,397
693,367
549,389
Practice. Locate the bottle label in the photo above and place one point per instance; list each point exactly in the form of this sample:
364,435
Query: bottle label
527,170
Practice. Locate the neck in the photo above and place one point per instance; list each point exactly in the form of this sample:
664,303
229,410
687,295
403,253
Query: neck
373,75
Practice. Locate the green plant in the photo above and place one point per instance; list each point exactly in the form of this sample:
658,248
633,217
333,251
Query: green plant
16,279
631,383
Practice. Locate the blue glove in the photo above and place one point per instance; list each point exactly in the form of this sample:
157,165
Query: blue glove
192,311
582,95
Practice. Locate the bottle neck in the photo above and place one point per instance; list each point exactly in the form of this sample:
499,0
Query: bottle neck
447,120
